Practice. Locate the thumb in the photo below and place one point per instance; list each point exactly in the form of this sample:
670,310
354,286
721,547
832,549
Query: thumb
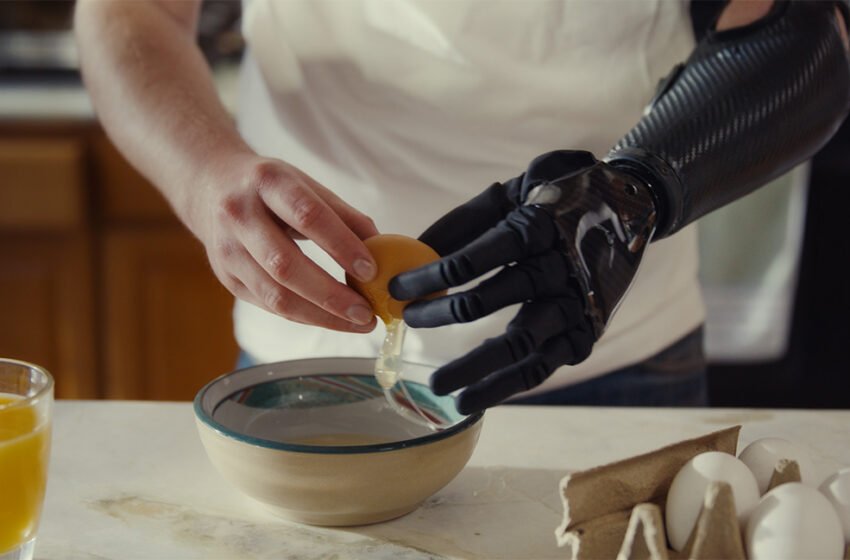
468,221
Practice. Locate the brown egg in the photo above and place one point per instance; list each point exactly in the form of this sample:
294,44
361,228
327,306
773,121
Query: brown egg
393,254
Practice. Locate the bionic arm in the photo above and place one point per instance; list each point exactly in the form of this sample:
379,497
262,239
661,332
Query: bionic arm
567,236
749,104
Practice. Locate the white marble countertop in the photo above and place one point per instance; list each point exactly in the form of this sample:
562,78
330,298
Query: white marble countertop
130,480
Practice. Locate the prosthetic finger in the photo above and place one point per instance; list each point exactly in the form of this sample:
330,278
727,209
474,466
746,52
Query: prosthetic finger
526,374
526,231
521,376
535,323
545,276
468,221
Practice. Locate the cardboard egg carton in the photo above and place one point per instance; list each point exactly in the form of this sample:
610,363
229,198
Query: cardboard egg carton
616,510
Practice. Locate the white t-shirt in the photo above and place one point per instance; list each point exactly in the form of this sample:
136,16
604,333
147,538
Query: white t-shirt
408,108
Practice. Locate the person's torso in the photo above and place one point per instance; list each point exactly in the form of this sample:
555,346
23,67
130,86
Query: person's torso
408,108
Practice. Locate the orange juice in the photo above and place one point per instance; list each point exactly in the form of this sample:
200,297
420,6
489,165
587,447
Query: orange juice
24,451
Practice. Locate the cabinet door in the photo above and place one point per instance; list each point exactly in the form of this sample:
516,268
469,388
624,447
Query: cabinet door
42,184
46,295
46,308
167,321
123,196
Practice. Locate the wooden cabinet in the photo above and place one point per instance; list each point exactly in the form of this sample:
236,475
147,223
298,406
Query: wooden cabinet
47,300
47,307
43,186
163,316
98,280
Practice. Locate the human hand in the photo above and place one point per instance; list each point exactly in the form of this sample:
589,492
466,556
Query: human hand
249,210
569,234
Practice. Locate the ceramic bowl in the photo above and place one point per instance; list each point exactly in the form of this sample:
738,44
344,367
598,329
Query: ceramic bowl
317,442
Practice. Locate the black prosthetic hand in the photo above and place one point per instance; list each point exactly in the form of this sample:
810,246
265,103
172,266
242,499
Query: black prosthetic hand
570,233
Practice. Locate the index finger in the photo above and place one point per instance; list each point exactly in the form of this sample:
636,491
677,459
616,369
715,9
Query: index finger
295,202
524,232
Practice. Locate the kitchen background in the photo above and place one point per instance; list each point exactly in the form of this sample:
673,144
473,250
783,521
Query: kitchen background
102,285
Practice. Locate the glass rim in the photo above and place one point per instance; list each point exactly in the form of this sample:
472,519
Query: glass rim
28,400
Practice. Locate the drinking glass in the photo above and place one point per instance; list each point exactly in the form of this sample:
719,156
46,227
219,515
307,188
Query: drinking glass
26,403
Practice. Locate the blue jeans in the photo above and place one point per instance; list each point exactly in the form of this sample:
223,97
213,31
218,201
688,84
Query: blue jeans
675,376
245,360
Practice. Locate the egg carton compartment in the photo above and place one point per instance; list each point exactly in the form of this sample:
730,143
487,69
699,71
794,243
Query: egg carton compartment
617,510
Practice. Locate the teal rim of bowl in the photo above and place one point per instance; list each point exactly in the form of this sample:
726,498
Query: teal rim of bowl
223,430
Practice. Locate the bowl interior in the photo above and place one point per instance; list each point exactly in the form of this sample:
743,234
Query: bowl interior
325,405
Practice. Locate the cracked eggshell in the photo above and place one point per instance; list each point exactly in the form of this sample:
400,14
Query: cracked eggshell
794,521
687,491
836,488
762,455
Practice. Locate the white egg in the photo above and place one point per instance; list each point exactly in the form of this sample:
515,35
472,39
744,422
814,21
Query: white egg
687,491
794,521
836,488
762,455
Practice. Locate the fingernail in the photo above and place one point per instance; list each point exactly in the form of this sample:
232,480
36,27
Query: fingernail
364,270
359,314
